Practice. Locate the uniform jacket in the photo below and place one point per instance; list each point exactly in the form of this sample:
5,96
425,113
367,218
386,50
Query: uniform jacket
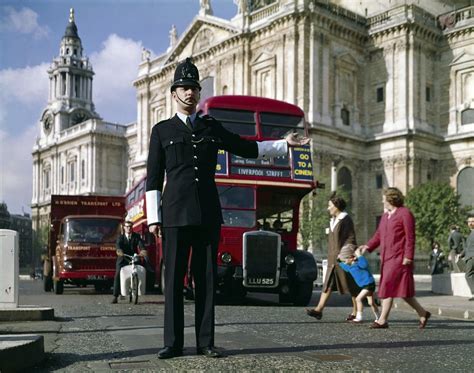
129,247
396,238
189,158
468,251
342,234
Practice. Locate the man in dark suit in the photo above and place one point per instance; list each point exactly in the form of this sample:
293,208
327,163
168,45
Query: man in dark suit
189,211
127,243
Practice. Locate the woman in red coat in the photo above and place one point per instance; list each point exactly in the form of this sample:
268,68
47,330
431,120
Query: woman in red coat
396,238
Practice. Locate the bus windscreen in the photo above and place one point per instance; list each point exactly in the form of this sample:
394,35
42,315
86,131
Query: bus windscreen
241,122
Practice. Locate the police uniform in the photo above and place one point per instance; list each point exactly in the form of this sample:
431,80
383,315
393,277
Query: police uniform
188,209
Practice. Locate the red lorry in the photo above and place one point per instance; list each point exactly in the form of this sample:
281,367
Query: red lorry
82,235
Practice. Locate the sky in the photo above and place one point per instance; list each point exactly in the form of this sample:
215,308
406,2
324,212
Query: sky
113,33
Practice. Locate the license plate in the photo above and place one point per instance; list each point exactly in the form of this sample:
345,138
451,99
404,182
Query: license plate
96,277
260,281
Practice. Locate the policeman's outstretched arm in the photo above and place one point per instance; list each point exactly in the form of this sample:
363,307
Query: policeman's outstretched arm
293,139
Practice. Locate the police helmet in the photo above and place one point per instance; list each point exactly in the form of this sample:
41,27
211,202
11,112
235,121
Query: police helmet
186,74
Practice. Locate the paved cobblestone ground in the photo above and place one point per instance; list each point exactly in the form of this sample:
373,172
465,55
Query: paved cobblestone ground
90,334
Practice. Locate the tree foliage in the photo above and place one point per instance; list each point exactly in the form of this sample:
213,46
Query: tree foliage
436,207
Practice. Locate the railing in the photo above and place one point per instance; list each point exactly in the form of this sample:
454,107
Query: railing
341,12
401,14
450,19
90,125
264,12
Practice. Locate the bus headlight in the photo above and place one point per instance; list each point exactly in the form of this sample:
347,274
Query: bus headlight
226,257
67,264
289,259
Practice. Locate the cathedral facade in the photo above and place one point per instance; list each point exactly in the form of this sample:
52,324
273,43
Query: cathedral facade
76,151
388,90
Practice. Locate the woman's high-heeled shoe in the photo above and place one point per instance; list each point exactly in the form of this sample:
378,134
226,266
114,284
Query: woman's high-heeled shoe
313,313
425,321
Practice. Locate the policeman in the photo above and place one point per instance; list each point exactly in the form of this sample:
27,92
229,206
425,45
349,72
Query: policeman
185,147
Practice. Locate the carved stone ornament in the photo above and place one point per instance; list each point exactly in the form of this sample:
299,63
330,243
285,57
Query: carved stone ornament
203,40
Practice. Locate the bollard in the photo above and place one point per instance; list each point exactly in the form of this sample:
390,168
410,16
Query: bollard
9,269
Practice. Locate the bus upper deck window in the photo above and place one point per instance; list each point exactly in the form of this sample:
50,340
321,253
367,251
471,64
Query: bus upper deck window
278,125
241,122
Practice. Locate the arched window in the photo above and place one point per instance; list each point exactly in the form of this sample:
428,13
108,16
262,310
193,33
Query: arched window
344,181
465,182
467,116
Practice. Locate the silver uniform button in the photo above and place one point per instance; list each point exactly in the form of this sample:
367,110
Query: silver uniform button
195,157
171,142
195,146
196,168
196,179
193,135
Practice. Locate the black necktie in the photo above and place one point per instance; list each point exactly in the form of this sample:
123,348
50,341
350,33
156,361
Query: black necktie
189,123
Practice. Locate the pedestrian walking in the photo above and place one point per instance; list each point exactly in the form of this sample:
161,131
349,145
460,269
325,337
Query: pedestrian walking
341,232
185,147
468,256
395,236
354,263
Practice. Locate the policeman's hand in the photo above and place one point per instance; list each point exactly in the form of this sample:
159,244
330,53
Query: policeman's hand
119,252
154,229
407,261
293,139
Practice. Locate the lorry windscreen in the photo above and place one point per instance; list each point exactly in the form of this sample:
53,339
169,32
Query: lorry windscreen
91,230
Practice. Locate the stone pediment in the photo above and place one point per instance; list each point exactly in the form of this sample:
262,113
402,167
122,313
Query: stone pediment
463,57
347,59
203,33
262,57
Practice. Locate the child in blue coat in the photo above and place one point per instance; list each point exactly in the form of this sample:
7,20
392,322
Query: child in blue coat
352,261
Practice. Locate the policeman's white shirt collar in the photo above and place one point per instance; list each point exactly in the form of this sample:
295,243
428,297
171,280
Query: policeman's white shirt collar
184,116
336,219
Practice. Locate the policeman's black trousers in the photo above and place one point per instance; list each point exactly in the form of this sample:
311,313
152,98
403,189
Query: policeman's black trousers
177,241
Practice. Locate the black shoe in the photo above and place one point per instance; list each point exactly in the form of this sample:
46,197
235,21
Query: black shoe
169,352
114,300
209,352
313,313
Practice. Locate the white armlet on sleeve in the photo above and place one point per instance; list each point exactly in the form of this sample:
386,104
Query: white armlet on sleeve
269,149
153,207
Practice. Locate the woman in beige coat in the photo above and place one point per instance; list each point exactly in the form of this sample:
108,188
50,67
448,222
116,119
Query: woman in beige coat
341,232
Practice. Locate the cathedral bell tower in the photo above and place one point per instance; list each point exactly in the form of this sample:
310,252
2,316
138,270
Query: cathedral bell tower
70,86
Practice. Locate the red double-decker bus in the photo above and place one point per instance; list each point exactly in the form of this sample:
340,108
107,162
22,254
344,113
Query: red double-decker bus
260,202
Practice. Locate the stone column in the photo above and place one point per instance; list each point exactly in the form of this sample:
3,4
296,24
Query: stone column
333,177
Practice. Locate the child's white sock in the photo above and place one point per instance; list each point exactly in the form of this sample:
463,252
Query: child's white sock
359,316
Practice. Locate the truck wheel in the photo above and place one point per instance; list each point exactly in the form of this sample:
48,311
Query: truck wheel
47,283
58,286
302,293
